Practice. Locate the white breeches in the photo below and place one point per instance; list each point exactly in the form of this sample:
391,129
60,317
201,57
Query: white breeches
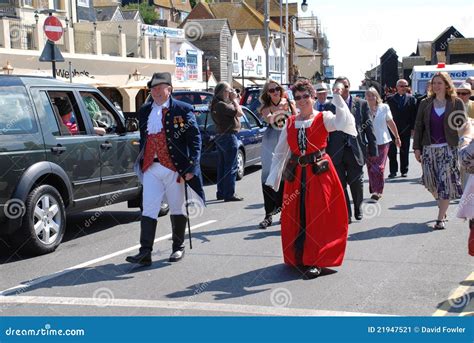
159,181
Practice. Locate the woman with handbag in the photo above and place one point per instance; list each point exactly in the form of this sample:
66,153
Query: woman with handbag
275,108
435,143
314,220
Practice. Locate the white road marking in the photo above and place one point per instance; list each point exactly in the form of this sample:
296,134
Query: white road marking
23,287
232,309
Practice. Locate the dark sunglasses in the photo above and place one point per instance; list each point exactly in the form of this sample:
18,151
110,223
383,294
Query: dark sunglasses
463,93
272,90
304,96
403,86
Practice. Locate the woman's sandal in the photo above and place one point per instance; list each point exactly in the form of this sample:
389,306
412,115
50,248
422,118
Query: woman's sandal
439,225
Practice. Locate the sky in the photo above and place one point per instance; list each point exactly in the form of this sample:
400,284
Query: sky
360,32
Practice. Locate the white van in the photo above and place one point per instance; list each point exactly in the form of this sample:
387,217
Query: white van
422,74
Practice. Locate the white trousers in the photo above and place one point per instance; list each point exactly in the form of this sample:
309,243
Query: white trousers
159,181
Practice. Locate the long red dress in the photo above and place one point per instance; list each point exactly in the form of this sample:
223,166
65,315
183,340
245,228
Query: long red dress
325,233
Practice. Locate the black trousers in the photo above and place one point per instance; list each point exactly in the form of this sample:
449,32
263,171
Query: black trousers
272,200
351,173
404,151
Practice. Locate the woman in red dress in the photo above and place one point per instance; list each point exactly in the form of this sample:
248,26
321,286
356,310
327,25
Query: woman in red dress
314,217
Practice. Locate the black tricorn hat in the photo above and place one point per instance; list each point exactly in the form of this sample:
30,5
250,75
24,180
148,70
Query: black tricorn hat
159,78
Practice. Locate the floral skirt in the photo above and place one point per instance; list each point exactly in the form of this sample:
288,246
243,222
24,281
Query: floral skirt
441,175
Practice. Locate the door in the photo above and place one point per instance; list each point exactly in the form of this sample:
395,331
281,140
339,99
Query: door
118,149
258,130
68,143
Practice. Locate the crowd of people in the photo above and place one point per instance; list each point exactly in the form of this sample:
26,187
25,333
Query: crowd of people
313,150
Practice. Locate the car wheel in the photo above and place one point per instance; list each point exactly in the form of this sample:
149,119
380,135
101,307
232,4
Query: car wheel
240,164
44,222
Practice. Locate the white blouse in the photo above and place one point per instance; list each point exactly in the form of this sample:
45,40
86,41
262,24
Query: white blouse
343,120
382,116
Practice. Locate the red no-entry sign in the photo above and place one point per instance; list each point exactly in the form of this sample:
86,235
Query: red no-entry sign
53,29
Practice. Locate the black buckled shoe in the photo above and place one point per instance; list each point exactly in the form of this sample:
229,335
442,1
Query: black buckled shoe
142,258
312,272
234,198
265,223
358,215
176,256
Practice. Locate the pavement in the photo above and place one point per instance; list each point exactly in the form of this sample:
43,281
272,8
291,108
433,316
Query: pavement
395,264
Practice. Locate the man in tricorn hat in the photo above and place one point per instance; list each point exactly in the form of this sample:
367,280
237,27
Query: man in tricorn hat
170,147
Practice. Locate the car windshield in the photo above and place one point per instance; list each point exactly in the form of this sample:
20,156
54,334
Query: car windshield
252,101
193,98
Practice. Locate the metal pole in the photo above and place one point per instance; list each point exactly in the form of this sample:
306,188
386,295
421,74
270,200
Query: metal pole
243,78
53,57
266,24
281,42
287,46
70,72
207,76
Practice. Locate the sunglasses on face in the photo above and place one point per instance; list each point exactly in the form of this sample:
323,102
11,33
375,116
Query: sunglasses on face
463,93
403,86
304,96
272,90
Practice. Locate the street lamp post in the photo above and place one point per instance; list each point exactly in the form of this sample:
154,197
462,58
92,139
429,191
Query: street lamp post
243,77
266,26
304,6
7,68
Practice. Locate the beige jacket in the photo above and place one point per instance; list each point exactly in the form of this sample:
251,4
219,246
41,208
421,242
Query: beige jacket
454,116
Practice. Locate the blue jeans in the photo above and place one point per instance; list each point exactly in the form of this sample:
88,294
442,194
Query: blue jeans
227,146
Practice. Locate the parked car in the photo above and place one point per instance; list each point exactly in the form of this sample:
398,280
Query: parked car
53,162
250,140
250,98
193,97
358,94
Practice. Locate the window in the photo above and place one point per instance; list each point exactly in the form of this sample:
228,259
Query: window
259,59
52,120
28,3
103,120
243,123
235,67
67,113
236,56
251,119
16,112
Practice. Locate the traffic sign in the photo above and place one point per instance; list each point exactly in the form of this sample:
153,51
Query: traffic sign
53,28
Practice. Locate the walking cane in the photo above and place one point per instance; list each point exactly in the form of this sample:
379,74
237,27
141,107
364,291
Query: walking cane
187,212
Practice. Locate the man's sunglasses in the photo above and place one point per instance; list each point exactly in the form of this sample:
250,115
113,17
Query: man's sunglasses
463,93
272,90
403,86
299,97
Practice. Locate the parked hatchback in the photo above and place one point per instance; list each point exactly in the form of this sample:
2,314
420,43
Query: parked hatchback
64,148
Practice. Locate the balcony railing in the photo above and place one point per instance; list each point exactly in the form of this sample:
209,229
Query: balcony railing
16,35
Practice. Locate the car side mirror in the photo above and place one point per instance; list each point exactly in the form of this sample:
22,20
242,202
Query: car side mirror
131,124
